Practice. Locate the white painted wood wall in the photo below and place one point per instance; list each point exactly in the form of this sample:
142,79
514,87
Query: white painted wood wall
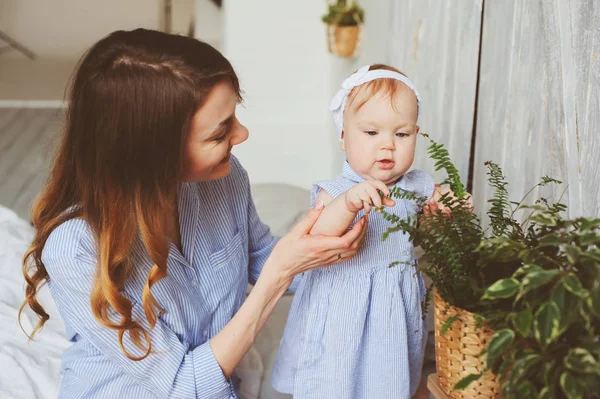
436,43
538,107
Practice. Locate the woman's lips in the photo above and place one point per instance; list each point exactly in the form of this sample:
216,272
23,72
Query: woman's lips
386,164
226,159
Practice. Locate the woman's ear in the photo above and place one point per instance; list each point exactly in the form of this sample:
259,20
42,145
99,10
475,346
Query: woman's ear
342,142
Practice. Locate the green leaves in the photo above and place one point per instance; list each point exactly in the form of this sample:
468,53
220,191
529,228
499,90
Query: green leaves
551,240
594,301
462,384
589,238
343,14
526,390
572,284
440,155
570,386
546,323
500,204
448,323
500,342
504,288
534,280
573,254
522,366
525,270
523,322
544,219
580,360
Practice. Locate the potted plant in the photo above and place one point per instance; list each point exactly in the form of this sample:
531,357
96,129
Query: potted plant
344,21
452,261
547,313
484,291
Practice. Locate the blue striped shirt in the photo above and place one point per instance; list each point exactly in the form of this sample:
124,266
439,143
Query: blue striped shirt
224,247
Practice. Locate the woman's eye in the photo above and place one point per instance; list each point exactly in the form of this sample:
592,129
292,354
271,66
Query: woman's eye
222,137
371,132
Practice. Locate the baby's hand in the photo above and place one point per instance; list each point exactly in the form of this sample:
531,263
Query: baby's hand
365,195
434,204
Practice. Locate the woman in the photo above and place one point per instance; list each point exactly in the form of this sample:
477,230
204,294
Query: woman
146,231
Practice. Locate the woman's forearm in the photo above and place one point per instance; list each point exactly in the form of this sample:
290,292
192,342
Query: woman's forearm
235,339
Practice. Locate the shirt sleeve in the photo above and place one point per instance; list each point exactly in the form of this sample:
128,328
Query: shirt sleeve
260,240
173,368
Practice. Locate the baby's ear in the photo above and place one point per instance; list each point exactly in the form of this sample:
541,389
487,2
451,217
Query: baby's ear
342,142
417,129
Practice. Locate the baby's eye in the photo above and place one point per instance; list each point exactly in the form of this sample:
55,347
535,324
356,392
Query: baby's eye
371,132
402,134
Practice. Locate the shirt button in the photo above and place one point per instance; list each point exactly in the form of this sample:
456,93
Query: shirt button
195,283
205,332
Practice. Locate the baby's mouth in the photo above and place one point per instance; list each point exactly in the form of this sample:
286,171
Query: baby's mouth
386,163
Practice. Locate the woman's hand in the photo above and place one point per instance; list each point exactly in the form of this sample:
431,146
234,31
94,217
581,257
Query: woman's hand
298,251
365,195
434,204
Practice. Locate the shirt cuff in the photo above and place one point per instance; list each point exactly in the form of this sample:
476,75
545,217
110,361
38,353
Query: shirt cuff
210,380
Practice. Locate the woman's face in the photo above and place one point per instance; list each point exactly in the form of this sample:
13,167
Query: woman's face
214,131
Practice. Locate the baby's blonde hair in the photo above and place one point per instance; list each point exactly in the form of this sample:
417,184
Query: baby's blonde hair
361,94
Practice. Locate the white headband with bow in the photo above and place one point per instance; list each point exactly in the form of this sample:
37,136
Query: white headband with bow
363,75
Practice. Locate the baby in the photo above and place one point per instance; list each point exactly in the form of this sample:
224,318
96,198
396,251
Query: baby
355,329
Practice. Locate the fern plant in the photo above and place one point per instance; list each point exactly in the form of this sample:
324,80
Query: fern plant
535,281
456,259
450,244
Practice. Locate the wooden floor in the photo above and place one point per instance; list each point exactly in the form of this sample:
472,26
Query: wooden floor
27,142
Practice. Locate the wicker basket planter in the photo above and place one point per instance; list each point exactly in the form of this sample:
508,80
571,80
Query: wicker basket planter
343,40
457,353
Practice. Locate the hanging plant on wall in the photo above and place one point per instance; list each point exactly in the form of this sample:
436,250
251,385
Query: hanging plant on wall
344,21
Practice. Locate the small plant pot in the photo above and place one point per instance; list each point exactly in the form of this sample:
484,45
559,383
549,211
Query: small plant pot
343,40
457,352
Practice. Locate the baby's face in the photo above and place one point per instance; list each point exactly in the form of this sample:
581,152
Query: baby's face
380,139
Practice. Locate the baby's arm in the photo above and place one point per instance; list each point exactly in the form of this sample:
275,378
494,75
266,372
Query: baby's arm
340,212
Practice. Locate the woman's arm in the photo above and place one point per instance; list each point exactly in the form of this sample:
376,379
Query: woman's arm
296,252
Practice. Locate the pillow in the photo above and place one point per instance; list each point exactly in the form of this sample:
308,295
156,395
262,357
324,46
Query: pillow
280,206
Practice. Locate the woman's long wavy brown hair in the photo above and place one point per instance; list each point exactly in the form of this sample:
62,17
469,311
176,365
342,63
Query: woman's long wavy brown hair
120,161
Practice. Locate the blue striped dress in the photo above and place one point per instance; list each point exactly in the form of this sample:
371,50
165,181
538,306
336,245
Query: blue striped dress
355,329
224,247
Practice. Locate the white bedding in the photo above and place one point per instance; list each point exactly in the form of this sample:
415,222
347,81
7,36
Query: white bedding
28,369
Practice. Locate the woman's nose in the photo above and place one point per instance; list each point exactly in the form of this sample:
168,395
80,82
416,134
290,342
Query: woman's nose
240,133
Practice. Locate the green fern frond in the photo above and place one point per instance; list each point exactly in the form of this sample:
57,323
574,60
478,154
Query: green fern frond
500,204
440,155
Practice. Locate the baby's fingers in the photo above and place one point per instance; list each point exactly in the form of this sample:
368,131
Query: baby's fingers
388,201
374,196
365,199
